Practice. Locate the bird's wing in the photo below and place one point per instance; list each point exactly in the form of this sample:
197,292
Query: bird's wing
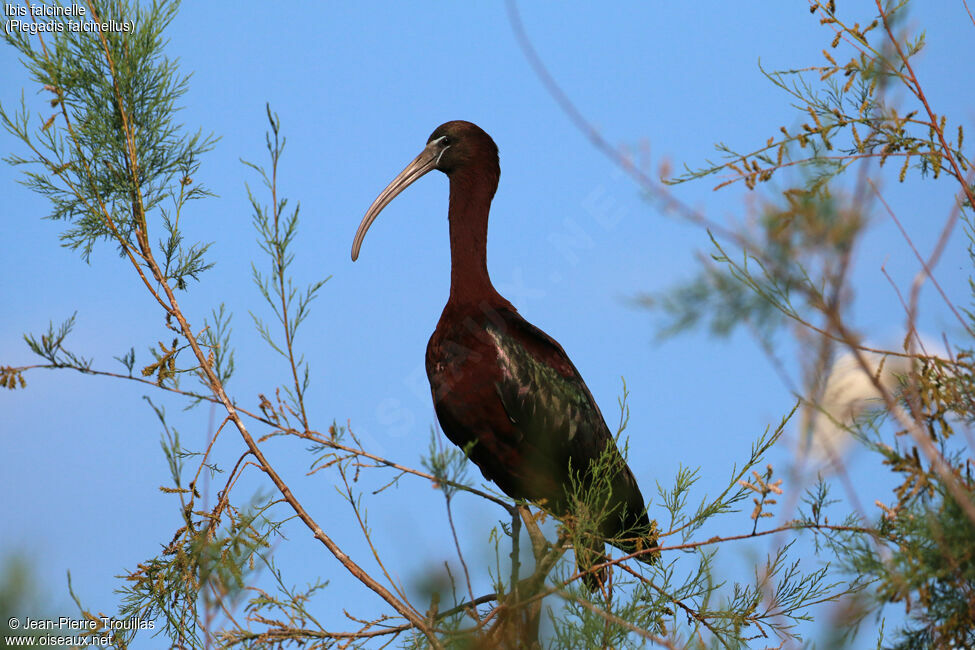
550,405
544,395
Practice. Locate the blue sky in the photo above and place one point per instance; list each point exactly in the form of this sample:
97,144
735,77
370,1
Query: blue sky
358,90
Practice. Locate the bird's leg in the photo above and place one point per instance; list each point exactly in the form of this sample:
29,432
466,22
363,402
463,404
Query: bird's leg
539,543
518,626
515,549
546,555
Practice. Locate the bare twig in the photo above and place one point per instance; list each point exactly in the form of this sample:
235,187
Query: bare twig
925,265
460,554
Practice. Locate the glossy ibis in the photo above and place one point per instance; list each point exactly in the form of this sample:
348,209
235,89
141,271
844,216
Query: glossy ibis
502,388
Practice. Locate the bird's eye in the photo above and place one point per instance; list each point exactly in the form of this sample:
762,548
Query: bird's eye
445,141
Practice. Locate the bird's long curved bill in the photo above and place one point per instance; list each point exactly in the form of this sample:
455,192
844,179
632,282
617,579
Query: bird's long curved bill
423,163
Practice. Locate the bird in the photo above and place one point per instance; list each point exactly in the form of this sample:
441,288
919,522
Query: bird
505,391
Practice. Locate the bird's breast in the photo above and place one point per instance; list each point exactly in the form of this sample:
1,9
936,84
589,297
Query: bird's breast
462,364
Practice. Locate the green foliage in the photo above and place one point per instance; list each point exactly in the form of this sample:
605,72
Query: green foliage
110,153
716,294
205,566
50,346
928,565
286,612
931,572
20,595
835,98
791,271
276,233
447,464
216,337
675,499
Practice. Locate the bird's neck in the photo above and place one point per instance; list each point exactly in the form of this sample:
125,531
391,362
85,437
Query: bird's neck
470,203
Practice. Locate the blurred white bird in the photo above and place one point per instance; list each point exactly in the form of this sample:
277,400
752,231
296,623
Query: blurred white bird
850,392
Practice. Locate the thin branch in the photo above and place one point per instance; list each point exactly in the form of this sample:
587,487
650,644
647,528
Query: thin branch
368,538
925,266
612,618
460,554
970,17
651,186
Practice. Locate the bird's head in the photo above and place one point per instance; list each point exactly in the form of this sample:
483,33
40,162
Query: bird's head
464,145
456,148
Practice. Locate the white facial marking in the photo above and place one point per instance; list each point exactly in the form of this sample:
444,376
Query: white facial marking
442,152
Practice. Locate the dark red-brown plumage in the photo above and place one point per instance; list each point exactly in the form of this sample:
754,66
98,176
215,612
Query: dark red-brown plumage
502,388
